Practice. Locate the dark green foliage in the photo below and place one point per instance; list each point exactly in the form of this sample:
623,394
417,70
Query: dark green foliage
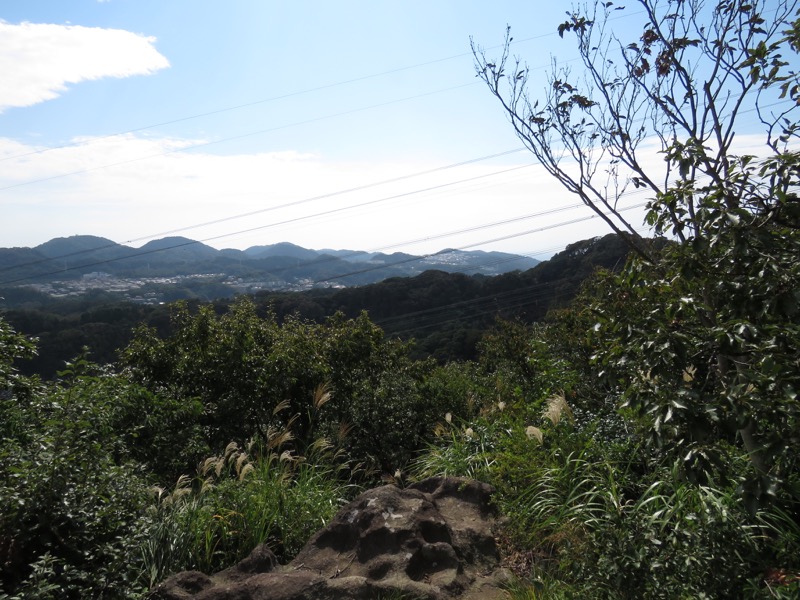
688,360
15,389
714,360
80,517
643,441
459,388
447,313
65,328
598,517
522,371
70,497
240,367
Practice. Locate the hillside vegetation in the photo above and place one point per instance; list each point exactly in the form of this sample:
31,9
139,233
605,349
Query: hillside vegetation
236,429
643,439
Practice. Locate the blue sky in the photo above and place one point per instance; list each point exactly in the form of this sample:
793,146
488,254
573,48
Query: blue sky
227,109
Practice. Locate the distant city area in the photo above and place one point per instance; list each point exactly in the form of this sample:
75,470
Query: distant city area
141,290
173,268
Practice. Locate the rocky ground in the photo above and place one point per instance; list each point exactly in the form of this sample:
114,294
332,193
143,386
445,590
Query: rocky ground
433,540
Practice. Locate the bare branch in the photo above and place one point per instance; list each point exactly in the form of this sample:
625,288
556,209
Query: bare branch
683,83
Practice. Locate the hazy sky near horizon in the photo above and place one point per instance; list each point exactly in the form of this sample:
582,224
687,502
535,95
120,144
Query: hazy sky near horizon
325,124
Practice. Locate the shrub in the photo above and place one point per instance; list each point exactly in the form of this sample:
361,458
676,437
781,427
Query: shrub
70,500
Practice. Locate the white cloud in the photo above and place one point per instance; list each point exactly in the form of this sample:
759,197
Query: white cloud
249,199
132,187
40,60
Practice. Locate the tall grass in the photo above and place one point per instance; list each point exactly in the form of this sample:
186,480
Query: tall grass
599,519
459,450
539,589
243,498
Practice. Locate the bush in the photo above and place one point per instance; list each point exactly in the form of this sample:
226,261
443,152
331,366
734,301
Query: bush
71,500
597,513
239,367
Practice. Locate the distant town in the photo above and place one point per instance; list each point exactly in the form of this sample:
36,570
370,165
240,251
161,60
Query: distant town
173,268
153,290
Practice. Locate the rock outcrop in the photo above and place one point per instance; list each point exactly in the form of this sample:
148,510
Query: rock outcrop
431,540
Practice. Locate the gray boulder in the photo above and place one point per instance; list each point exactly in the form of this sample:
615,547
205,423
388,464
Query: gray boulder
432,540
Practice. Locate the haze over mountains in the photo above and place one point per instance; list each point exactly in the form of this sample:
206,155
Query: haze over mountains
277,266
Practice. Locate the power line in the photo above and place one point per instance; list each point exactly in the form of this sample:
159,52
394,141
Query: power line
231,138
298,203
435,311
263,101
284,96
526,299
481,243
277,207
317,261
192,242
291,204
342,192
434,316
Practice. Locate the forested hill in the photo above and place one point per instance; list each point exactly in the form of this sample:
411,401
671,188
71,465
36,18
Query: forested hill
275,266
446,313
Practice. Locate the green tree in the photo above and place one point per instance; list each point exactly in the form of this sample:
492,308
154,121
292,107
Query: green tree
250,374
687,83
703,337
15,389
70,497
220,362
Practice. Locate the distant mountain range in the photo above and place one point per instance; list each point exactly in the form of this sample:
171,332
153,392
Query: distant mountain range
282,265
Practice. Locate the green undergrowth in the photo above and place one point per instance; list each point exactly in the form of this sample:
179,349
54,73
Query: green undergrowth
600,518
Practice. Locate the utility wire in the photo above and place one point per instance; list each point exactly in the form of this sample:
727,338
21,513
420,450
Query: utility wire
191,242
281,206
286,205
434,312
251,213
228,139
289,95
433,317
243,215
272,99
321,261
292,204
480,243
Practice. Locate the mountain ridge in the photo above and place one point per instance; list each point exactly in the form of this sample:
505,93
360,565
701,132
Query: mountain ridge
283,264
